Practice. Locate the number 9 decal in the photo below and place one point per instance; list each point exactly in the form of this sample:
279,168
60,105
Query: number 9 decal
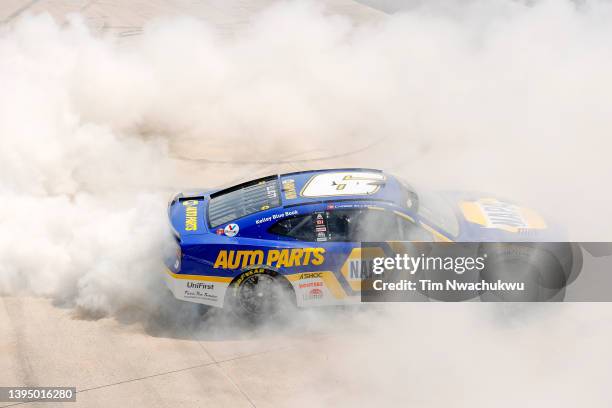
344,183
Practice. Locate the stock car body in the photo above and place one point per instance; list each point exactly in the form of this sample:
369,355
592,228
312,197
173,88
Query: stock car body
303,231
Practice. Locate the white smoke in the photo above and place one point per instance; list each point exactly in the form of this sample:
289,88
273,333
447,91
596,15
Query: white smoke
500,96
497,96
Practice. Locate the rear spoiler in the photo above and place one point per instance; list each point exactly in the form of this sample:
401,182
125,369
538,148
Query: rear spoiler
181,197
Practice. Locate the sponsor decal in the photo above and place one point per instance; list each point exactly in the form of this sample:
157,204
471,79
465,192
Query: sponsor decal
492,213
232,259
191,215
200,290
276,216
314,294
310,285
220,231
200,285
501,214
310,275
359,269
320,228
289,189
271,192
231,230
195,294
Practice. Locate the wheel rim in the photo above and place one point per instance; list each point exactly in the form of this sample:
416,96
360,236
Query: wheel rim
259,294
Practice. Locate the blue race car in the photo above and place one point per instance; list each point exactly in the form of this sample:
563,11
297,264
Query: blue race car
298,235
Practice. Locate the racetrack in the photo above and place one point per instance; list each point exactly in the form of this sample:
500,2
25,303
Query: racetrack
122,340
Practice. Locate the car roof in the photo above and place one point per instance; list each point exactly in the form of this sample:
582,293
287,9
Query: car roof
305,187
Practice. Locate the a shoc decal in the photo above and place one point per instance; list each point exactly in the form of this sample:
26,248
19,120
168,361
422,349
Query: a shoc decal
191,215
276,216
343,183
277,258
231,230
289,189
310,275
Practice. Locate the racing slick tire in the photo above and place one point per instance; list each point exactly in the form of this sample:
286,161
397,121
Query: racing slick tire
260,294
544,269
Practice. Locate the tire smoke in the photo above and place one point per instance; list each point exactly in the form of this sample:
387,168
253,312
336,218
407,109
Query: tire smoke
501,96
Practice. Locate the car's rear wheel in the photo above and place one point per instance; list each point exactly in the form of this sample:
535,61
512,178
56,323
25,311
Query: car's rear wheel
543,269
258,294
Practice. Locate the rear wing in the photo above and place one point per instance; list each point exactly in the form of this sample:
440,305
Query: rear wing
187,217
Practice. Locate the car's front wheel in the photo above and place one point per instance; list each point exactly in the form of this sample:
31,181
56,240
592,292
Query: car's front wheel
259,294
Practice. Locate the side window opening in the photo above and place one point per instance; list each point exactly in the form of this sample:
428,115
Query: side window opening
300,228
352,225
362,225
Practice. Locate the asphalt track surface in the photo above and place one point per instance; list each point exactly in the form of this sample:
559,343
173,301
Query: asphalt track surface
120,361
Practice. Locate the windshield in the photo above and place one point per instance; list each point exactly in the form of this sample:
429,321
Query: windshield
435,209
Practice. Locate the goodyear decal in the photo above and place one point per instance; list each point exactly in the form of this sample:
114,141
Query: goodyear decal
492,213
279,258
191,215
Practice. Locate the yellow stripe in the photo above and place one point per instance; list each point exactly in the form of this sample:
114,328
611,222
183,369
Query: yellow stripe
437,235
199,277
473,213
409,218
333,285
534,220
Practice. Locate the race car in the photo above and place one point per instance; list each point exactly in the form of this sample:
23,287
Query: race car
297,236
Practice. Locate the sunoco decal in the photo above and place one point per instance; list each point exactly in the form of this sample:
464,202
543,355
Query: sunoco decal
191,215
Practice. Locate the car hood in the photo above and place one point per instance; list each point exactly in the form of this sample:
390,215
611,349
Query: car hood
485,217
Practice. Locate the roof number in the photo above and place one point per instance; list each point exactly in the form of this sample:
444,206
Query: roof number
343,184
